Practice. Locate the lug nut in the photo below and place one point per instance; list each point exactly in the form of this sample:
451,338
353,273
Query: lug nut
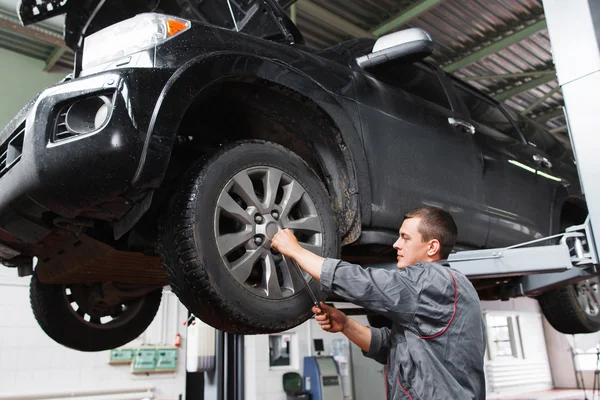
258,219
275,215
258,240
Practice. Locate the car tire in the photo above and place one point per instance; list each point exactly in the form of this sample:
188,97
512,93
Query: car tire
244,287
574,308
66,320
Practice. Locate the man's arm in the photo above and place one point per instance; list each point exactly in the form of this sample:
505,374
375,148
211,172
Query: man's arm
393,293
359,334
308,261
372,341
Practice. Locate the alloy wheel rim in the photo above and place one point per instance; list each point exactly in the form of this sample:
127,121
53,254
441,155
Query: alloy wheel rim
252,207
91,310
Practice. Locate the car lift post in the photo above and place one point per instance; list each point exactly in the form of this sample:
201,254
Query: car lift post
227,380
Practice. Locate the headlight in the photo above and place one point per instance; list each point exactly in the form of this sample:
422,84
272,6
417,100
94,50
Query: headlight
130,36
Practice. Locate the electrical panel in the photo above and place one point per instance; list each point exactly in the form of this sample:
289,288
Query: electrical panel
121,356
144,360
166,359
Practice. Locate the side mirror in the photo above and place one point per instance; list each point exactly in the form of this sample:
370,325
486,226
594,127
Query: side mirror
411,45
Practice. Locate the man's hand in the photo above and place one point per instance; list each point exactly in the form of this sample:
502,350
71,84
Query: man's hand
330,318
286,243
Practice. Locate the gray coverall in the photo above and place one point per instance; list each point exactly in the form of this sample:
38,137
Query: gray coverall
436,346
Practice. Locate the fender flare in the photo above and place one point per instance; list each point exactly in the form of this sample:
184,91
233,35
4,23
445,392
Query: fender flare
198,74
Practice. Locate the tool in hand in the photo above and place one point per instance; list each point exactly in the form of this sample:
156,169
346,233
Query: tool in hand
299,271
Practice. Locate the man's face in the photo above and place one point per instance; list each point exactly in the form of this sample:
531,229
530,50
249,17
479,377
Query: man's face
410,247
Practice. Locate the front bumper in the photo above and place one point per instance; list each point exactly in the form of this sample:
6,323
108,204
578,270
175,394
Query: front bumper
86,175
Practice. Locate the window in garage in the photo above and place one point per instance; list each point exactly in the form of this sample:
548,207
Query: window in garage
502,336
280,354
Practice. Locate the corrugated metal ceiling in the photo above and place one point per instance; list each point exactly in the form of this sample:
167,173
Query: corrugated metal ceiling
499,46
40,42
506,40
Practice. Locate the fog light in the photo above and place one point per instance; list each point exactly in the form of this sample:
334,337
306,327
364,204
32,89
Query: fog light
101,116
88,115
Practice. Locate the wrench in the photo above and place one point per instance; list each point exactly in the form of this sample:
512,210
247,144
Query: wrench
299,271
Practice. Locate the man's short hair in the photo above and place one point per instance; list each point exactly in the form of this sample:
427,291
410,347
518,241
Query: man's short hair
436,223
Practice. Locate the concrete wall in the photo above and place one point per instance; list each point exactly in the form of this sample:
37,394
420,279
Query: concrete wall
31,362
21,78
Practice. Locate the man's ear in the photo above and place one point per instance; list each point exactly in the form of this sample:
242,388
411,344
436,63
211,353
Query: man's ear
434,247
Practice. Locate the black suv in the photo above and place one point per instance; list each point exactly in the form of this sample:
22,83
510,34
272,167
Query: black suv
189,134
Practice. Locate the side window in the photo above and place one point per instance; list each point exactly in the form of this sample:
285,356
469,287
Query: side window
487,113
537,136
416,80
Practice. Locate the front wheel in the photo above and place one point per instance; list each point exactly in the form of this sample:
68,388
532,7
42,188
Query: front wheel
574,308
215,241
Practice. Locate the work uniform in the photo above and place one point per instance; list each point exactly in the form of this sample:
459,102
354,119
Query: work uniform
436,346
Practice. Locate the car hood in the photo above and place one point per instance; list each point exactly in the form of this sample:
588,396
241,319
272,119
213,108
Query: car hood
84,17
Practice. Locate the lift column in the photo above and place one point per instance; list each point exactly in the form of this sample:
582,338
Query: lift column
574,28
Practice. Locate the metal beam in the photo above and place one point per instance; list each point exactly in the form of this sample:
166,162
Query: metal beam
497,45
508,76
13,24
405,16
54,57
332,19
524,87
550,115
541,100
559,129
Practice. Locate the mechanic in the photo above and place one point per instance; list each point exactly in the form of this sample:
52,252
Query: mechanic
436,346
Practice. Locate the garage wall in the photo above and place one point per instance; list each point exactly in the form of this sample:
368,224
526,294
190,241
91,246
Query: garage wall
527,368
564,365
21,78
31,362
263,382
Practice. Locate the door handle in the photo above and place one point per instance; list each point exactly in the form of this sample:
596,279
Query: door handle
542,161
459,123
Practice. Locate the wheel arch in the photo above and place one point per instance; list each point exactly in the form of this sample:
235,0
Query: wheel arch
320,128
569,208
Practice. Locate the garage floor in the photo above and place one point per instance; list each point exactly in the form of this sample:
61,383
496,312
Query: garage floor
546,395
